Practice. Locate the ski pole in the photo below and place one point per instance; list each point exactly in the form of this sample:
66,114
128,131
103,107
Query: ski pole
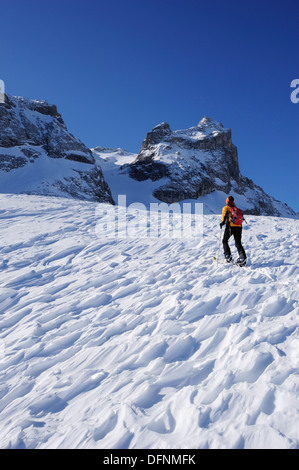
218,246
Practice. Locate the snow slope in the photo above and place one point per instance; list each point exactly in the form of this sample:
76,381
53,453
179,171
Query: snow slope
140,342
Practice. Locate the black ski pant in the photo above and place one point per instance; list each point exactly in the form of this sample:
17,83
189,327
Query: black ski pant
237,234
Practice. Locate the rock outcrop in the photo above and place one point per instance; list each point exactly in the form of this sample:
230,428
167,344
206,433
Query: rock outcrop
39,156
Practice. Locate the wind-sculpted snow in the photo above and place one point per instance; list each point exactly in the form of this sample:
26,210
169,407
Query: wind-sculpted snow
144,343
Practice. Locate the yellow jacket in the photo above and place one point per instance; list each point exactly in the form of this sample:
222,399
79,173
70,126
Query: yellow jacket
226,210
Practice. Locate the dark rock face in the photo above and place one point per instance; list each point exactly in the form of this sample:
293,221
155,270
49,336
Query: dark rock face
7,163
195,162
34,135
148,169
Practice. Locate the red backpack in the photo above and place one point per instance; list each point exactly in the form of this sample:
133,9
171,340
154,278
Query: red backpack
236,216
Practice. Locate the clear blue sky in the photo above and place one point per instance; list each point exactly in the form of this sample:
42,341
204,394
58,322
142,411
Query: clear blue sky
117,68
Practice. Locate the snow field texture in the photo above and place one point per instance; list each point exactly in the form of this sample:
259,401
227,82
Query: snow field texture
144,343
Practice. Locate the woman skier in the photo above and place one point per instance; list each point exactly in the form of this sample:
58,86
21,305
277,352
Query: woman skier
232,218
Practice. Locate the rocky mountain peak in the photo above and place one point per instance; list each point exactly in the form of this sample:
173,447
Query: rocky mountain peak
156,135
196,162
211,124
38,155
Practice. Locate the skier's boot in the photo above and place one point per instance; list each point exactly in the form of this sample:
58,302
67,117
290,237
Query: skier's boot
241,261
228,258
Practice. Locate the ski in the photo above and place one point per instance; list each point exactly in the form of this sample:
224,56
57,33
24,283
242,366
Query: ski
232,262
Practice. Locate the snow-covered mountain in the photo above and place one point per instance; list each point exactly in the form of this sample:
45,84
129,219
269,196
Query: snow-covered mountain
200,163
39,156
144,343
